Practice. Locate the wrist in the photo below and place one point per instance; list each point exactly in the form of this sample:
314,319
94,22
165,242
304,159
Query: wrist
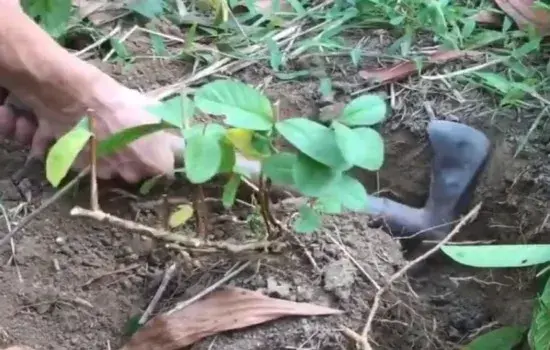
30,60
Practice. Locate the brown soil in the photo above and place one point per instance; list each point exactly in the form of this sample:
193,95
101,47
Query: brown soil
74,283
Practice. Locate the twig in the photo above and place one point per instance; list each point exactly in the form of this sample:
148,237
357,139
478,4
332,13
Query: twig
353,260
110,273
173,237
167,277
186,303
94,201
376,304
12,243
25,221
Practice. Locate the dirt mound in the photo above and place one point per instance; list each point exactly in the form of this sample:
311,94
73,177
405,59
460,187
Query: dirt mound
345,264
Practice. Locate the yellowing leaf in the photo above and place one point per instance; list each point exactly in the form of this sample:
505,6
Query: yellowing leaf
180,216
63,154
242,141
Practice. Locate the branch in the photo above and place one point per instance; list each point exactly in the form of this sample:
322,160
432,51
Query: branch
174,237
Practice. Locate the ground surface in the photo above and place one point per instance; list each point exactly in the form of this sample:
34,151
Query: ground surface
74,283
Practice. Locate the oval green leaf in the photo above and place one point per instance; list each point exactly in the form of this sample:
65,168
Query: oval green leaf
63,154
210,129
123,138
279,168
230,191
228,158
351,145
329,205
313,178
351,193
499,255
202,157
372,157
243,106
313,139
505,338
364,110
175,111
308,220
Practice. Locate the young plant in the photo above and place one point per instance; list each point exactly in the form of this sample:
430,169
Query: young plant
318,170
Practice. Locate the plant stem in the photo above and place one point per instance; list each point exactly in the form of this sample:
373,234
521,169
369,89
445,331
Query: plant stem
200,212
94,201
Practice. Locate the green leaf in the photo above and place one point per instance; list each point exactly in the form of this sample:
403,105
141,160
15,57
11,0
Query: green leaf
313,139
53,15
372,157
364,110
230,191
148,184
157,43
243,106
329,205
351,193
503,255
505,338
214,130
63,154
350,143
325,87
276,56
147,8
180,216
496,81
176,111
123,138
202,158
132,325
308,220
313,178
539,333
279,168
228,158
120,48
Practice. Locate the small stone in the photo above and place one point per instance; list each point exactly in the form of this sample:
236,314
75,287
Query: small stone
281,290
304,293
9,191
339,276
60,240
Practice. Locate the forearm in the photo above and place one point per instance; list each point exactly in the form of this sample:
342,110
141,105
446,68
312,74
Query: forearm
30,57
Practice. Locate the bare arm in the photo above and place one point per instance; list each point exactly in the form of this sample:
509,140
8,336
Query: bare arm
30,57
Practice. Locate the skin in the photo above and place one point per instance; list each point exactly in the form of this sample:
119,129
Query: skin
59,88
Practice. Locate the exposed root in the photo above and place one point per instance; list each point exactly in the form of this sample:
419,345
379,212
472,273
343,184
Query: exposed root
274,246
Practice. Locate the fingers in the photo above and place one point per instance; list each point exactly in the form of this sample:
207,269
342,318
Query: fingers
24,130
3,94
7,122
41,142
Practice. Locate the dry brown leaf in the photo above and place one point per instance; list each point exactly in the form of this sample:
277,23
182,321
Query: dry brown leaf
489,18
524,13
222,310
405,69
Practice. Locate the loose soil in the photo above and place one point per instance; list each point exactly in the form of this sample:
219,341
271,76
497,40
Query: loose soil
74,283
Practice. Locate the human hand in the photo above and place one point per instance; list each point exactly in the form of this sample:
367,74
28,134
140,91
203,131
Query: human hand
40,121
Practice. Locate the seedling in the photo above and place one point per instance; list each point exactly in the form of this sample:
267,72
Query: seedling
318,170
